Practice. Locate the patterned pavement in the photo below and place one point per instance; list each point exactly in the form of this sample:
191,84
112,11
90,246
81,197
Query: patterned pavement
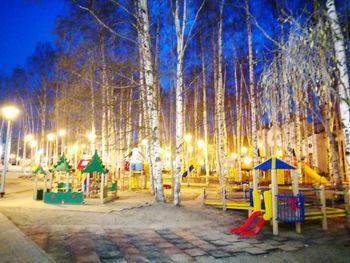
113,244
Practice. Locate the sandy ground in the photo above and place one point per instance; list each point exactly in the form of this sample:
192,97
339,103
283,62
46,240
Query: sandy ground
137,211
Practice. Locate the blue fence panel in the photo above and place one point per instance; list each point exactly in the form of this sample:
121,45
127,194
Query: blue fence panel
290,208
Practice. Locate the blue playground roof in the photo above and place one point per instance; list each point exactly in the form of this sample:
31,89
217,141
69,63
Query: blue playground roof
274,163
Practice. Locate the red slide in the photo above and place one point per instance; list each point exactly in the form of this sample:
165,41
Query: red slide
254,231
247,223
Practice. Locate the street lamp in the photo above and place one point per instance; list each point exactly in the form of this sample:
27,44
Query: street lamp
234,156
187,137
9,113
75,149
62,133
27,138
50,138
33,144
91,136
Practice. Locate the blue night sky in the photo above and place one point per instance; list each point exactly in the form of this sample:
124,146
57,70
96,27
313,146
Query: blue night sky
24,23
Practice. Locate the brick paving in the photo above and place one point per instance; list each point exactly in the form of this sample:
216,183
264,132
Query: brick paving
110,244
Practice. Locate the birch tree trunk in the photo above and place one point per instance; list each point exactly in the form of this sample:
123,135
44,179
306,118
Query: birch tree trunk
252,87
181,44
179,100
104,93
220,114
151,96
92,117
344,95
205,117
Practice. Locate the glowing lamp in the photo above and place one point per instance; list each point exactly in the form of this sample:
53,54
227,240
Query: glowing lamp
28,138
200,144
244,150
187,137
51,136
9,112
61,132
279,153
247,160
33,143
234,156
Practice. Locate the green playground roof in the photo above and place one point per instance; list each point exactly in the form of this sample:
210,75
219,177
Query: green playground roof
62,165
274,163
39,170
95,165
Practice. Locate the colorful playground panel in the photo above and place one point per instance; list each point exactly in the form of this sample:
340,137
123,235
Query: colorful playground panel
74,198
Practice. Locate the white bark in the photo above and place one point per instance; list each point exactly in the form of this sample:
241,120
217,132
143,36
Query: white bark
220,114
150,97
252,87
344,93
179,99
181,45
104,93
205,117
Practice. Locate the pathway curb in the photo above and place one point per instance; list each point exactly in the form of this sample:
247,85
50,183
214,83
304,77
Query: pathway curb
17,247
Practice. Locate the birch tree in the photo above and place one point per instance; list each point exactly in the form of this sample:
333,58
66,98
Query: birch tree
183,31
220,113
252,86
344,92
151,98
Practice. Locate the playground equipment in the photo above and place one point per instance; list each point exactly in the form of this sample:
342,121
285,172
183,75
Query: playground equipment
63,193
136,177
316,207
284,208
246,229
96,174
80,167
134,170
237,200
39,193
315,177
293,208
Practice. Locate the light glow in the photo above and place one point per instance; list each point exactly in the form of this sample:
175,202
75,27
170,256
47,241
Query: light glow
188,137
247,160
9,112
61,132
51,136
244,150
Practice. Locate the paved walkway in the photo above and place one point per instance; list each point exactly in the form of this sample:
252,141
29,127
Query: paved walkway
114,244
17,247
67,234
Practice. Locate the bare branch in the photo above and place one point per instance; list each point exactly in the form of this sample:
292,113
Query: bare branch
103,23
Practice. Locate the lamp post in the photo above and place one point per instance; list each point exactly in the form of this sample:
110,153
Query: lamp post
91,136
61,133
33,144
187,138
27,139
9,113
75,149
50,138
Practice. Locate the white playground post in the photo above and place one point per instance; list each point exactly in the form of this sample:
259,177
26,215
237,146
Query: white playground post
255,179
67,181
82,183
88,185
102,187
274,192
295,187
35,187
